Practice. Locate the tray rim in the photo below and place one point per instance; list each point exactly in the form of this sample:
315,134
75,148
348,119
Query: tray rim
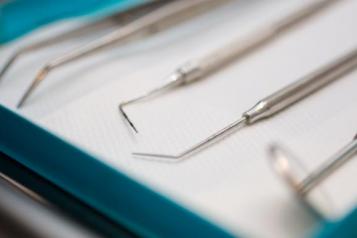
143,220
163,217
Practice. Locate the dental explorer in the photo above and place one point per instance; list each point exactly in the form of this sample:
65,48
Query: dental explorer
276,102
155,21
288,168
238,48
118,19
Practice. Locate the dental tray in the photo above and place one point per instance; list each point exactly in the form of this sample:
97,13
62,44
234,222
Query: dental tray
70,131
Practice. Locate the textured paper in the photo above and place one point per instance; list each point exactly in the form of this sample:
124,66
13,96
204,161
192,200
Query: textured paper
231,182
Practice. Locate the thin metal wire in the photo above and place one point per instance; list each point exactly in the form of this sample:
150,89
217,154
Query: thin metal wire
23,189
199,146
329,167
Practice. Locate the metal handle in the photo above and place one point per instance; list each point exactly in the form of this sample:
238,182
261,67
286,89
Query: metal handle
196,70
156,21
237,48
301,88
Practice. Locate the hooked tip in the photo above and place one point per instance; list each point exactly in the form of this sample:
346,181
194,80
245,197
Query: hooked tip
126,117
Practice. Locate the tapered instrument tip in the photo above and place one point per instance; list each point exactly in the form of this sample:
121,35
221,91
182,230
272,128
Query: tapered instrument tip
8,64
126,117
39,78
155,156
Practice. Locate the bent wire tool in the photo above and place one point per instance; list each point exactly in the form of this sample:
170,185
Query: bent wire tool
276,102
198,69
116,19
155,21
302,183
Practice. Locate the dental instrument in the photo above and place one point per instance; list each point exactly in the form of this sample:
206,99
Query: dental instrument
155,21
117,19
300,182
276,102
198,69
18,17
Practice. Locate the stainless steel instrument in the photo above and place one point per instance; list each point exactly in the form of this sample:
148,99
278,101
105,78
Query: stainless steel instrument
291,171
277,101
155,21
198,69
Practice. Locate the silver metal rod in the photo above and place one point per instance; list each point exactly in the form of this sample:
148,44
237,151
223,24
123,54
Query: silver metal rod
329,167
198,69
21,216
278,101
153,22
23,189
116,19
289,170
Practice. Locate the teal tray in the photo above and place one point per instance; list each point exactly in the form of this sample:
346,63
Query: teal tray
109,191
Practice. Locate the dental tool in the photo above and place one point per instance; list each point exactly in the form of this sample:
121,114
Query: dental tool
199,69
155,21
19,18
276,102
302,183
116,19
